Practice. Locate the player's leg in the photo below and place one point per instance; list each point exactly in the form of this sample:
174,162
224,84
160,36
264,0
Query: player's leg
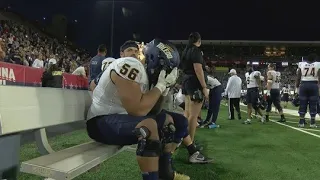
249,106
181,133
275,94
216,106
237,107
187,101
121,129
167,129
231,108
255,103
195,104
303,98
313,101
210,109
318,106
269,106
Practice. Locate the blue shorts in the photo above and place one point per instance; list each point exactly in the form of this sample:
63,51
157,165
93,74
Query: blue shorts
117,129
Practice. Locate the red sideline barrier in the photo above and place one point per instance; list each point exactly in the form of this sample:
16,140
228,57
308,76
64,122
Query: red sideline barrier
12,74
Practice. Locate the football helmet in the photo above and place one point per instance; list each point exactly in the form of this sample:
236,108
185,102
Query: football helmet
295,101
160,55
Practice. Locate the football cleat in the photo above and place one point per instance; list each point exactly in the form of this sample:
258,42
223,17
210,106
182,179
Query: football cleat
198,158
178,176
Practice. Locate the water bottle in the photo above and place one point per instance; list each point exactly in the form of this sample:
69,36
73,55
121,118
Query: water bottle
212,126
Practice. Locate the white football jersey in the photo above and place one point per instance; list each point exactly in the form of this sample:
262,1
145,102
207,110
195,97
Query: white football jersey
213,82
285,90
105,99
251,79
309,71
275,79
106,62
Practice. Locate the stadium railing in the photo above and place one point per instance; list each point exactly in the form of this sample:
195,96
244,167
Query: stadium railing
30,108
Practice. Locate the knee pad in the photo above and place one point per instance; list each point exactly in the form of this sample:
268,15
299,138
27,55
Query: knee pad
167,133
197,96
147,147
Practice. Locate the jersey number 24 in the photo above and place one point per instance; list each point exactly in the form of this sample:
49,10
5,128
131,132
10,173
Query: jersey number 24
131,73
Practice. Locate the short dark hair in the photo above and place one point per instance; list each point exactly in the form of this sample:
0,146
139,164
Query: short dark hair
102,48
312,57
272,65
194,37
127,44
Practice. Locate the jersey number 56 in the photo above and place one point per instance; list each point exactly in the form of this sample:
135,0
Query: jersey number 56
131,73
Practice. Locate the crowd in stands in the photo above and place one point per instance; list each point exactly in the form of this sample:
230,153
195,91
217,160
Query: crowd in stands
23,45
26,46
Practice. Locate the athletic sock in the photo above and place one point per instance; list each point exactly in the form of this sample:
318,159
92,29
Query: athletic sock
191,149
150,175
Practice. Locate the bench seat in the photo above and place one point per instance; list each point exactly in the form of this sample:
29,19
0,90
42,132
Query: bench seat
71,162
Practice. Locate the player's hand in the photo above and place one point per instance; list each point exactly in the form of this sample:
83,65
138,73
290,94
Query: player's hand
297,91
172,77
205,92
166,81
161,84
165,92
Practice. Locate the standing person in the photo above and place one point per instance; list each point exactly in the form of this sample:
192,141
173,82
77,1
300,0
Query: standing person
96,62
285,94
194,81
253,79
233,91
307,85
273,92
214,102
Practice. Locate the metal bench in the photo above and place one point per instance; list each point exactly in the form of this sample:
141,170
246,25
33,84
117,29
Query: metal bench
29,108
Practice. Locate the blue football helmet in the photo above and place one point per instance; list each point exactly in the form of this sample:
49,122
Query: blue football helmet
295,101
160,55
244,100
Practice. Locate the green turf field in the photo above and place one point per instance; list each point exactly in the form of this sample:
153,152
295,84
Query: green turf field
242,152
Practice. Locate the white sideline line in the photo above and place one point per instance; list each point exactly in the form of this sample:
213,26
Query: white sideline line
297,129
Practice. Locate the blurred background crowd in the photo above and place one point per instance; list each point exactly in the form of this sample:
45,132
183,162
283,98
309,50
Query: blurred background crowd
27,45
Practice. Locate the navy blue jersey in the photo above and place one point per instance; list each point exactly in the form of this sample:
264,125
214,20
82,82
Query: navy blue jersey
95,66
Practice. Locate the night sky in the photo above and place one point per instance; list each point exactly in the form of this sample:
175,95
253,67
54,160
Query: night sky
175,19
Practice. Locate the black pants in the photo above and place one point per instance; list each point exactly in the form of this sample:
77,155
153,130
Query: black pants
234,103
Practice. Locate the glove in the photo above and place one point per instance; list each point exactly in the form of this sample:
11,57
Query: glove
165,92
297,91
172,77
268,92
166,81
161,84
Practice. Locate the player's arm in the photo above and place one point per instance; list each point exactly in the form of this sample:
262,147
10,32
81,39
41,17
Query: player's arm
258,80
133,100
228,85
197,65
318,74
269,81
298,79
